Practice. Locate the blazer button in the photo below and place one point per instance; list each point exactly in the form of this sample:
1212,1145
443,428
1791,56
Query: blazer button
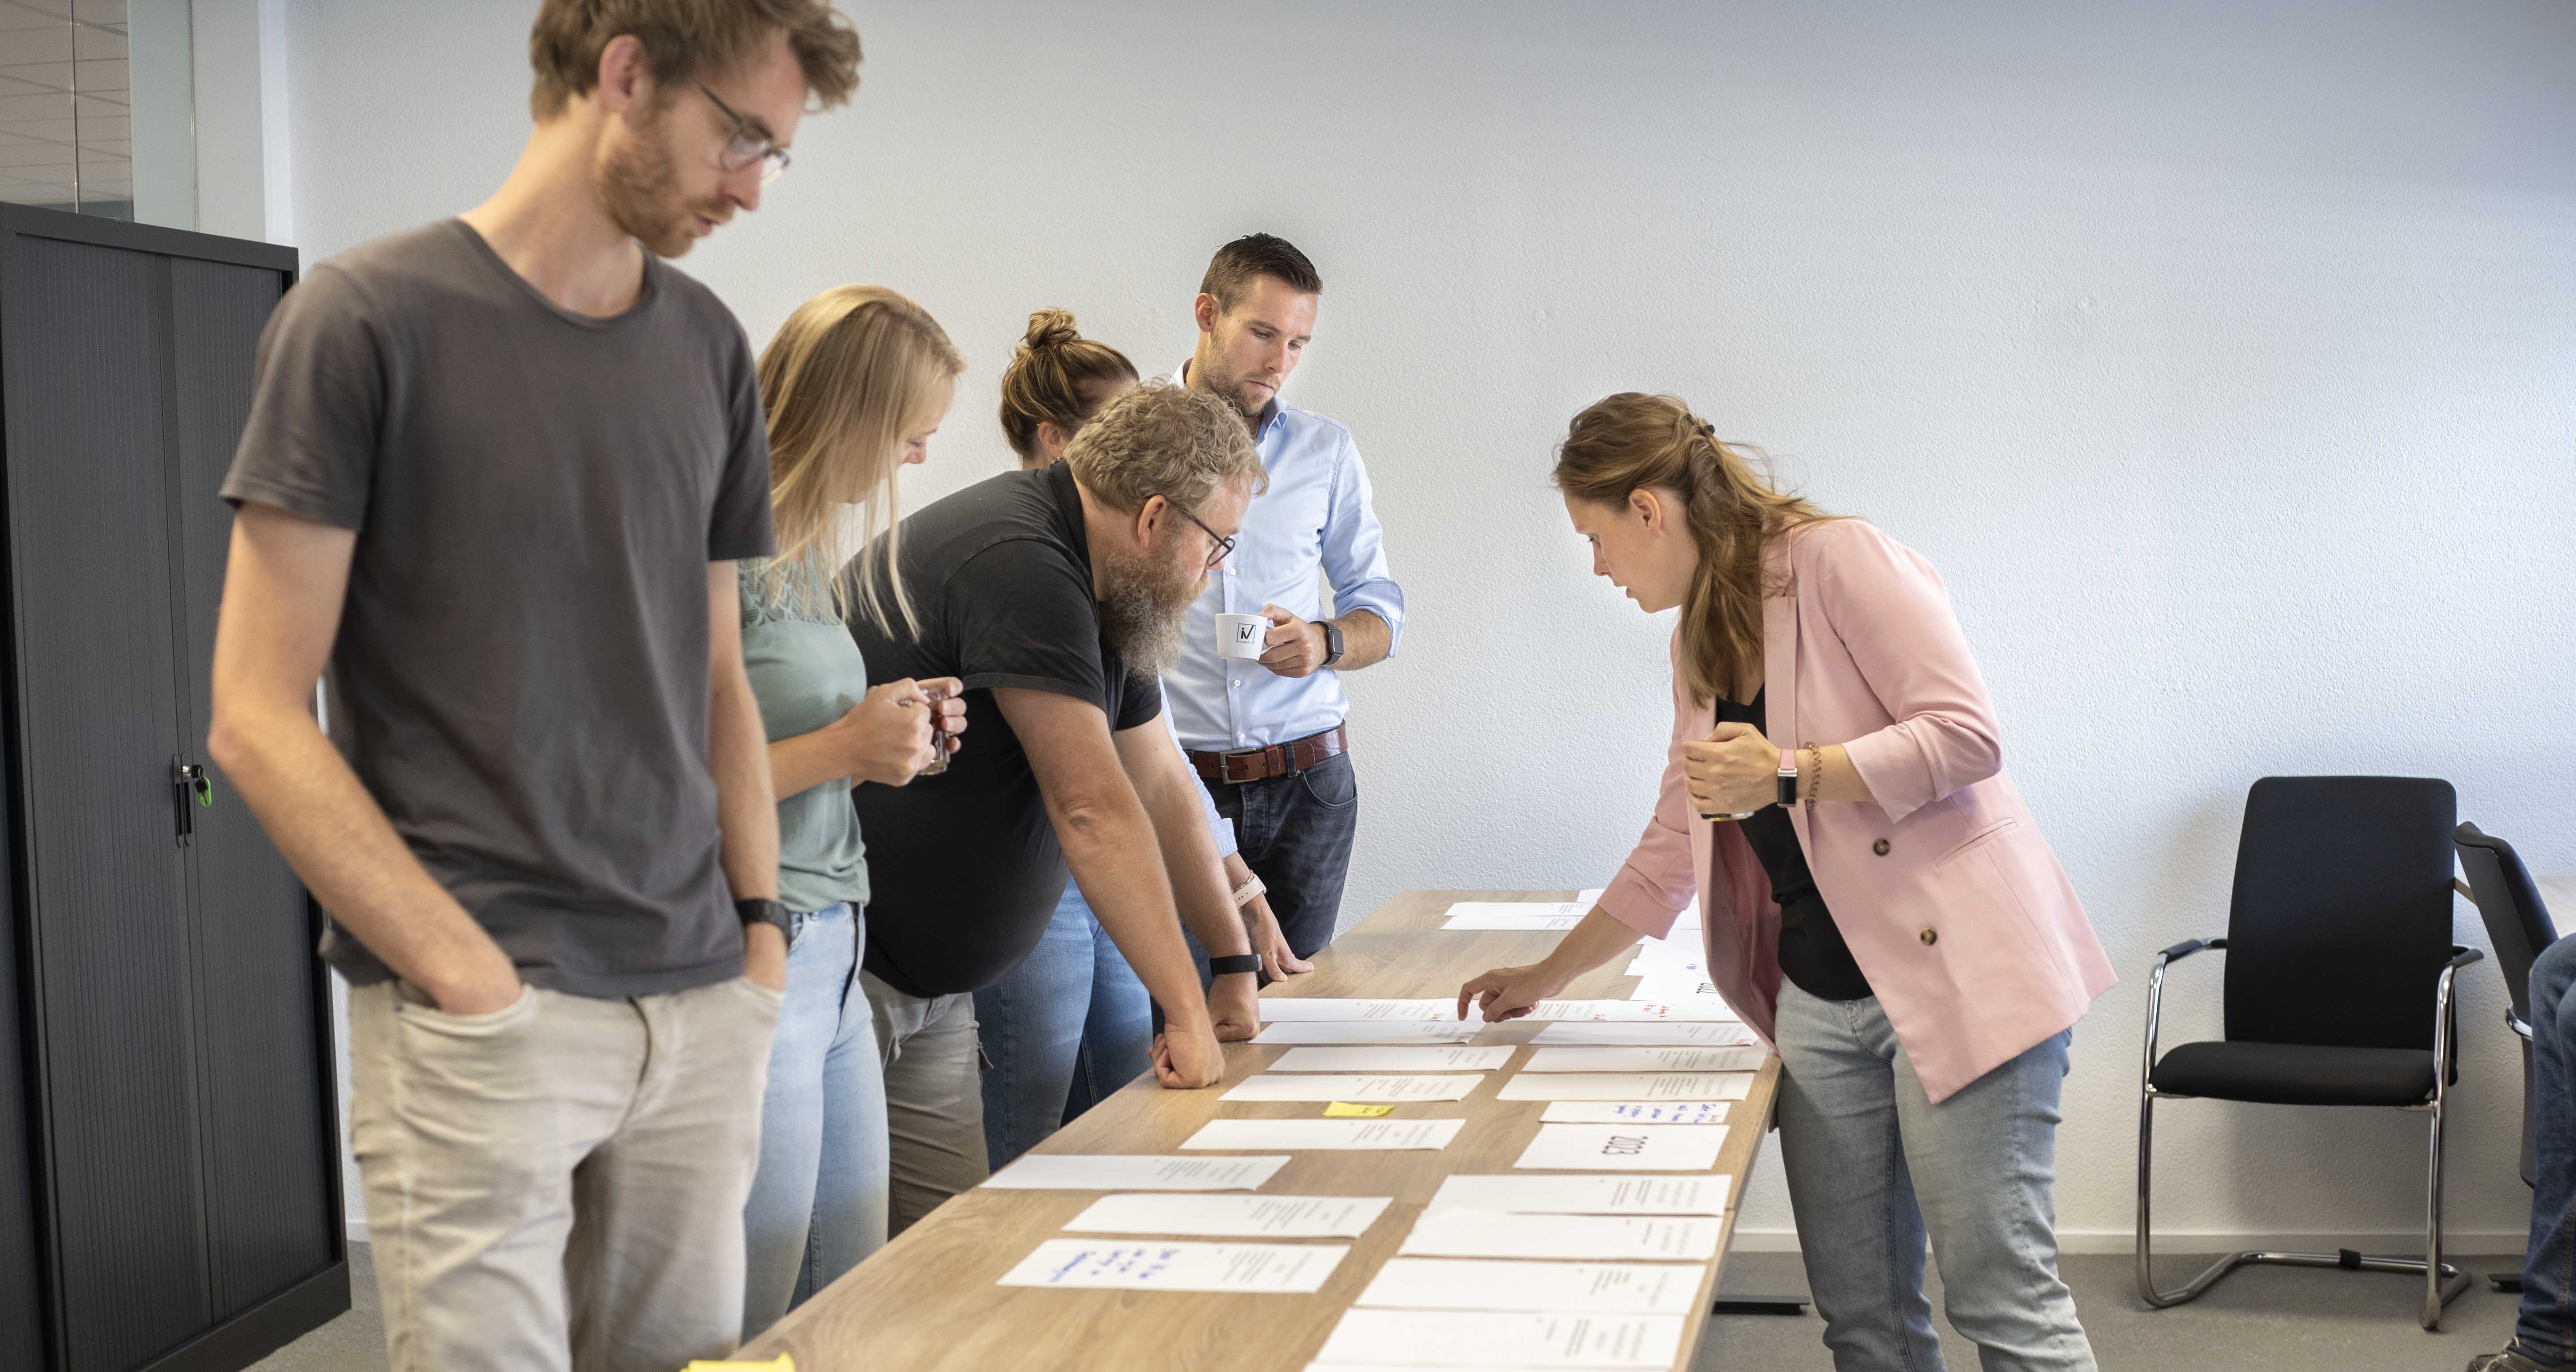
1880,848
1930,937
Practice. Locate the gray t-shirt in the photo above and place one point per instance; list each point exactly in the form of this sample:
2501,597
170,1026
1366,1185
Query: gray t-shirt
806,673
520,675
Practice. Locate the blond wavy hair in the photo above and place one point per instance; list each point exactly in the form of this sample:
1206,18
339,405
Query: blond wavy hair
1164,439
850,373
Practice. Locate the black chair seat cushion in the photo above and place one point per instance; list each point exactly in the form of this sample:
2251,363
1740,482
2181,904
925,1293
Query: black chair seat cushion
2296,1074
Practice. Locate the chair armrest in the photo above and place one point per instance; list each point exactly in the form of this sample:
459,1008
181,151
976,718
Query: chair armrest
2462,957
2517,1024
2188,947
2463,888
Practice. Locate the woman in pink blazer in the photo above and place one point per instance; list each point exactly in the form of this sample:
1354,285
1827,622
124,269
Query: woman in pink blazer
1881,908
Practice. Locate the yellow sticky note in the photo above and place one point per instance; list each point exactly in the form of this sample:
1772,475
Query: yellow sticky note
781,1363
1344,1110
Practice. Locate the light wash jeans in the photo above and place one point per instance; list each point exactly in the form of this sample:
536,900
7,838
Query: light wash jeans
1067,1027
818,1203
1872,1164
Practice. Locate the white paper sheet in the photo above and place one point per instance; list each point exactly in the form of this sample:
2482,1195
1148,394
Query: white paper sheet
1216,1216
1133,1172
1627,1086
1591,1058
1695,1112
1595,1194
1302,1008
1710,1008
1308,1134
1521,916
1417,1059
1293,1268
1639,1147
1360,1090
1415,1031
1598,1238
1488,1341
1468,1284
1666,986
1703,1033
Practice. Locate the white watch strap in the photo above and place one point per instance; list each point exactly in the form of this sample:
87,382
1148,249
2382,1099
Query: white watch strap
1251,887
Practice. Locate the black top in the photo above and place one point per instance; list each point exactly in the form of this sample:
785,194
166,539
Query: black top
1812,951
964,865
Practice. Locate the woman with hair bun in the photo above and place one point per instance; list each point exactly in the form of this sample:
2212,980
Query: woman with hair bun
1071,1023
1878,902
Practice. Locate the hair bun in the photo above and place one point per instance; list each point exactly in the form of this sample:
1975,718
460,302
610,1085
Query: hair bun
1050,329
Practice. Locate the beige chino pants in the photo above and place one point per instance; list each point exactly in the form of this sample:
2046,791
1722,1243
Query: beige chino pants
559,1186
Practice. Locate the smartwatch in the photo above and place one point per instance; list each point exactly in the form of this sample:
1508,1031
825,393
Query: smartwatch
1788,778
767,912
1332,642
1240,962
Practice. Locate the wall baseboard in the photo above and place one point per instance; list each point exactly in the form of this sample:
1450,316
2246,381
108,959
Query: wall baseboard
2395,1243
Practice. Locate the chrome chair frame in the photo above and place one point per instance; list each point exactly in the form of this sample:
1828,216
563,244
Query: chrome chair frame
2442,1281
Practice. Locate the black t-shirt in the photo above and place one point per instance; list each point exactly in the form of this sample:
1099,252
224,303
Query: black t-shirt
964,865
1812,951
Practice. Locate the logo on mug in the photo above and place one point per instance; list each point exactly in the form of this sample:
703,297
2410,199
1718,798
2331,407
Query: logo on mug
1243,633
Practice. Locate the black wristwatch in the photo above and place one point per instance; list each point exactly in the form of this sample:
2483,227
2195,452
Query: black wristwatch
1240,962
1788,780
767,912
1332,642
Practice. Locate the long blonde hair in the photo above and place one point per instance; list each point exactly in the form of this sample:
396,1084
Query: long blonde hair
849,374
1632,440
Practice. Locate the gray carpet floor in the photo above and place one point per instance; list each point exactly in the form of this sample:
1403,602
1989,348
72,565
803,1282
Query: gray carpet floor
2275,1319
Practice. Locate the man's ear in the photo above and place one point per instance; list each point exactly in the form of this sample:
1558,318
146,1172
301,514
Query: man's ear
1204,311
624,82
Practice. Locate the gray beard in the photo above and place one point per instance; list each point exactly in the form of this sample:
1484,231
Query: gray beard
1143,616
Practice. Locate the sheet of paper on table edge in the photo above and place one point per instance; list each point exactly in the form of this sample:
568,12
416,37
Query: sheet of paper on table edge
1659,1148
1333,1033
1332,1252
1367,1211
1713,1112
1323,1088
1266,1166
1613,1057
1511,1193
1620,1086
1354,1058
1426,1135
1438,1338
1520,1234
1509,1282
1602,1033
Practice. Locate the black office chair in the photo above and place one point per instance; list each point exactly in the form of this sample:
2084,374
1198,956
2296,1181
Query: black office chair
2339,979
2518,927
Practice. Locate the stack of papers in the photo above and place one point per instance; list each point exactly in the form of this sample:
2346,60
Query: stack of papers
1436,1059
1635,1112
1369,1031
1587,1195
1466,1284
1637,1011
1372,1090
1338,1134
1301,1008
1267,1217
1605,1059
1627,1086
1645,1147
1133,1172
1289,1268
1492,1234
1699,1033
1375,1340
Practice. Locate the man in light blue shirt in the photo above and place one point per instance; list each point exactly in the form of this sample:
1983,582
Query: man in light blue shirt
1266,736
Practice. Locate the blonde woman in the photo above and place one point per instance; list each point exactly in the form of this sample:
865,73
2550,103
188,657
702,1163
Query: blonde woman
1071,1023
1884,909
853,386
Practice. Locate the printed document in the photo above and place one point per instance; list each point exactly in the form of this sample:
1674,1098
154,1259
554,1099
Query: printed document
1643,1147
1290,1268
1132,1172
1627,1086
1259,1217
1305,1134
1611,1194
1467,1284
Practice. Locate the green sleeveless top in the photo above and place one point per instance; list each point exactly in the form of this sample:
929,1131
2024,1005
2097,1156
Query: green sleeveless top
806,673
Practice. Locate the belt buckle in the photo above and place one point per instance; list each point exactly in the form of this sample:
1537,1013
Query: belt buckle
1225,766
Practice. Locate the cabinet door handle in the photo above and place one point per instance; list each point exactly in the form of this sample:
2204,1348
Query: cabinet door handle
193,790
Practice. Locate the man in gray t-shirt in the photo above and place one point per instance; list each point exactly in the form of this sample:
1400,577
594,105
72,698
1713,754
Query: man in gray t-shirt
496,474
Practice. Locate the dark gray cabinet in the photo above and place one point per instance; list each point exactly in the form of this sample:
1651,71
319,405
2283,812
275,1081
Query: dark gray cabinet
169,1176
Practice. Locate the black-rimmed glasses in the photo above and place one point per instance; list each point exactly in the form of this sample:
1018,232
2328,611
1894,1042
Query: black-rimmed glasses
1224,545
748,144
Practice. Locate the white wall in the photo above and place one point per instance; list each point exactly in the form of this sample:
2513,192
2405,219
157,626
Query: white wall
2223,358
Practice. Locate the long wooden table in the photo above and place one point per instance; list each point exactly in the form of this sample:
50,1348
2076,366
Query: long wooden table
928,1300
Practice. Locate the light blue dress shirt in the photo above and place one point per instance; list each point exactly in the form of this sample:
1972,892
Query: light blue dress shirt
1315,517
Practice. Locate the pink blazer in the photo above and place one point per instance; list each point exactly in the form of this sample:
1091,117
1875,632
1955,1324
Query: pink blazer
1951,901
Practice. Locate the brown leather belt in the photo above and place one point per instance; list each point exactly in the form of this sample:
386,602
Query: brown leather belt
1277,760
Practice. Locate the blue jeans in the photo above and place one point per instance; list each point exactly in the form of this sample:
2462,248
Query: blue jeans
818,1203
1067,1027
1873,1165
2546,1331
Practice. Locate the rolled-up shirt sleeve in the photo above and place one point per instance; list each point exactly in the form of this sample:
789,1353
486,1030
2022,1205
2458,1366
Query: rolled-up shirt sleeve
1657,881
1887,605
1354,551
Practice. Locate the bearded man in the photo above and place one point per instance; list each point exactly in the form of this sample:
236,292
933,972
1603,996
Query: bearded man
1059,593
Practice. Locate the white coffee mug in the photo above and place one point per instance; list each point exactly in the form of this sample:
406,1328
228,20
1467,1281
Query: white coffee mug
1241,635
